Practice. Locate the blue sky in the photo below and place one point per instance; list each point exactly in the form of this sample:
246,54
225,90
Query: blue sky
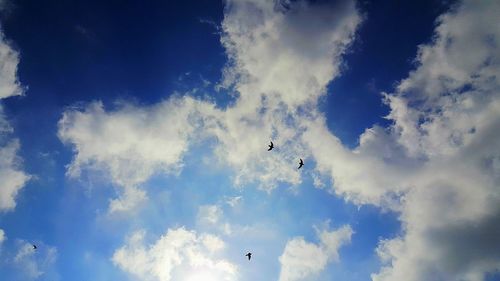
133,140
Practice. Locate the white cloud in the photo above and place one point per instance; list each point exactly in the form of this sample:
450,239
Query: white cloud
13,178
211,217
130,199
27,263
437,165
234,201
178,255
5,127
281,62
9,59
11,175
130,143
291,53
3,237
301,259
447,112
209,214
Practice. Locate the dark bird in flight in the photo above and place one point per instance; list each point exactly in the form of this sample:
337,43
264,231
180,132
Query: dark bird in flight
301,163
34,247
249,255
271,146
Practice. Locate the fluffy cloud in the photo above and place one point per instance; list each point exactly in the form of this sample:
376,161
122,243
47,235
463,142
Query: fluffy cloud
11,175
13,178
281,60
302,259
447,113
437,165
291,51
180,254
9,59
130,143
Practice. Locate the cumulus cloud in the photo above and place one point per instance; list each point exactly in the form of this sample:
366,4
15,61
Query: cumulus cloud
301,259
447,113
280,60
9,59
13,178
130,143
179,254
437,165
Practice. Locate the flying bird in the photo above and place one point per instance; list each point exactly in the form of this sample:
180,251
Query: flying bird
301,163
271,146
34,247
249,255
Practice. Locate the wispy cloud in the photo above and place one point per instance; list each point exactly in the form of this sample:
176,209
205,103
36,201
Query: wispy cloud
26,263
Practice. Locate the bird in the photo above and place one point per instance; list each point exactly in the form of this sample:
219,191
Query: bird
301,163
34,247
271,146
249,255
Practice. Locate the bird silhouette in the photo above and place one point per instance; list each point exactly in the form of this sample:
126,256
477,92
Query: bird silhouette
301,163
34,247
249,255
271,146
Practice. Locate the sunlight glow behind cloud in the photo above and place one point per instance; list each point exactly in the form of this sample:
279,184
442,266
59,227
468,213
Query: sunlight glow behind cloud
176,254
436,165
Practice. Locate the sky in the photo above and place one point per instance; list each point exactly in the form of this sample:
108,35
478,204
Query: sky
134,137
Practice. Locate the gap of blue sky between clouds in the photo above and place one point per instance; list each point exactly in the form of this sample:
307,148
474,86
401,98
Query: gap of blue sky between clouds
436,165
